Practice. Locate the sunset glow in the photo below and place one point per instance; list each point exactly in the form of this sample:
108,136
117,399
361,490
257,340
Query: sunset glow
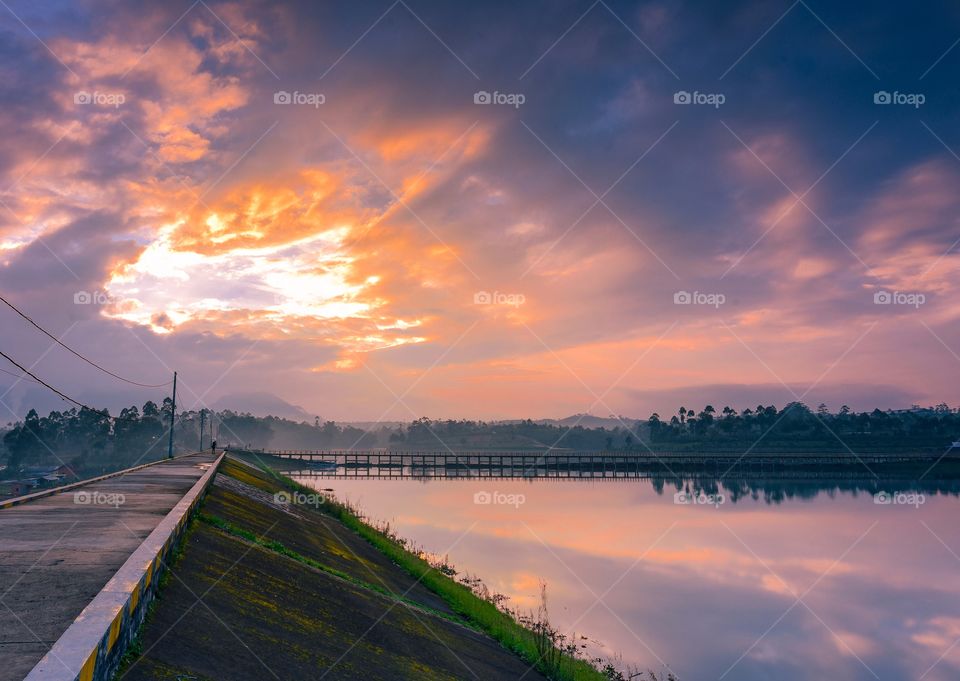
247,177
544,340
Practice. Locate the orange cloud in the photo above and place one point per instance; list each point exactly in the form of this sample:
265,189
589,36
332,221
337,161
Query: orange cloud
271,211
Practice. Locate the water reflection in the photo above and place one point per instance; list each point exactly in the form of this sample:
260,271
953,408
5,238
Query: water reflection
781,580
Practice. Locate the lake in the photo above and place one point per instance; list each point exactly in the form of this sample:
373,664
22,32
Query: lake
784,581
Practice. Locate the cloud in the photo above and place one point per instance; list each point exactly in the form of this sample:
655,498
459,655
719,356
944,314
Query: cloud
355,234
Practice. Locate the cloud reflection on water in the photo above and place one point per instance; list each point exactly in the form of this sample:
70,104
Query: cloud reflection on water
879,590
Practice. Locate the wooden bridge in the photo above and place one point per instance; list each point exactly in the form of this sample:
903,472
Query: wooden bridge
585,465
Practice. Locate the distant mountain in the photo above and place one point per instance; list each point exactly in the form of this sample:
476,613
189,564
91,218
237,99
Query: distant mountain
262,404
591,421
586,421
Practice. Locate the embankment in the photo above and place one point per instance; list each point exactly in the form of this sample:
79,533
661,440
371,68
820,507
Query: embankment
269,588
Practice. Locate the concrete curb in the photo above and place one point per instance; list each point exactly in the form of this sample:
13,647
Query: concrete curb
15,501
91,648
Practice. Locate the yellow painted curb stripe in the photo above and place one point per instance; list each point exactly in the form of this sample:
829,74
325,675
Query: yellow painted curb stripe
86,674
114,630
134,599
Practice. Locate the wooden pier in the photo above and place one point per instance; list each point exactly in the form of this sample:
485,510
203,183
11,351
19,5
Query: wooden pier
584,465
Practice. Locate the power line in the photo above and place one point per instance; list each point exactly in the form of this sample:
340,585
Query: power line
71,350
47,385
17,376
37,379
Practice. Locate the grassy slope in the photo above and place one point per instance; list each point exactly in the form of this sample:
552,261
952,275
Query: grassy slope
480,613
281,582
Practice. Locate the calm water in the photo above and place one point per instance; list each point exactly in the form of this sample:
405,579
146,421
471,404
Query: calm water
831,586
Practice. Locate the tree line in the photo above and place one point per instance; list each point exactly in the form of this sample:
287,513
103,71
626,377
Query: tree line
799,425
86,439
92,441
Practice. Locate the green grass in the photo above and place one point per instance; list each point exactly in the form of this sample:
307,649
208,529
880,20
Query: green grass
279,548
534,647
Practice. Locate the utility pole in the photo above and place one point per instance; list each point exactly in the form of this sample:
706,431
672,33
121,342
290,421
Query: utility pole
173,413
203,413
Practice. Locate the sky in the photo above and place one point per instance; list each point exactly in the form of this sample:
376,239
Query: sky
490,210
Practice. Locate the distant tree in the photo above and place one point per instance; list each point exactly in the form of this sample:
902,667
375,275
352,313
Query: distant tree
24,442
150,410
246,428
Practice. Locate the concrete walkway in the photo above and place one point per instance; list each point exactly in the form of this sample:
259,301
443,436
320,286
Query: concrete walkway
57,552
